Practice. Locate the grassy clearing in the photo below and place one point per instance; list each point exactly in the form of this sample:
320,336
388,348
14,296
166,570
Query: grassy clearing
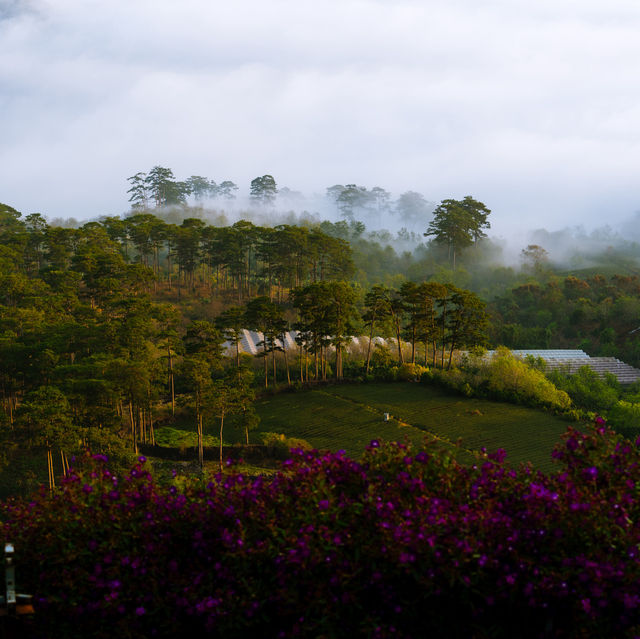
329,421
345,417
349,416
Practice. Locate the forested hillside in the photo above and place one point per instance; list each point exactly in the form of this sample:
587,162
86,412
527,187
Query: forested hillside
594,313
106,325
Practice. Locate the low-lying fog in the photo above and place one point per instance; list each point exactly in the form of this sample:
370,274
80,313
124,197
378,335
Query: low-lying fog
401,220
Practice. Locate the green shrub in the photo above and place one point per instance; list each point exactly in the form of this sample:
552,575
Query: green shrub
625,415
506,375
281,446
410,372
587,389
504,378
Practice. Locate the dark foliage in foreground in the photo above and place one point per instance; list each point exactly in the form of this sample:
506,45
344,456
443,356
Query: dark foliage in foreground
402,543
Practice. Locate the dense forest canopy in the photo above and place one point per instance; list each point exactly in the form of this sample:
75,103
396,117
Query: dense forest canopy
102,322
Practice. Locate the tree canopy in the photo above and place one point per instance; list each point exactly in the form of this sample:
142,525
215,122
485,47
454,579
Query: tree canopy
458,223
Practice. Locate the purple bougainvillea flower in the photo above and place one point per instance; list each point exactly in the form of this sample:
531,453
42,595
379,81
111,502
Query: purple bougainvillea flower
572,443
591,472
499,455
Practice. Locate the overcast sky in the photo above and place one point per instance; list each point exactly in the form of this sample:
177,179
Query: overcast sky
531,107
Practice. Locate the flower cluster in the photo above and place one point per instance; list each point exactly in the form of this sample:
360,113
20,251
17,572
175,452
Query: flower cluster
403,543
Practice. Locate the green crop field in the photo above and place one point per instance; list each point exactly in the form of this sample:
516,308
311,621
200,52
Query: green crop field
329,421
348,417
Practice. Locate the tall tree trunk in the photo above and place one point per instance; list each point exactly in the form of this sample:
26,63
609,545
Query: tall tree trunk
52,479
373,320
450,356
301,363
221,427
399,341
444,321
200,441
286,360
65,463
248,272
266,369
133,426
169,266
152,434
273,361
171,381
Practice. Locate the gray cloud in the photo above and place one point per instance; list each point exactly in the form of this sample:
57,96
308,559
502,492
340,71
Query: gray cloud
530,107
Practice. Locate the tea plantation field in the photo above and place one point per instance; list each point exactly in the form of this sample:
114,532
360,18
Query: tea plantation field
348,417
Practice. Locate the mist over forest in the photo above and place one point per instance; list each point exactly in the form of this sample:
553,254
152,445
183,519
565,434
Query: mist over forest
567,288
396,220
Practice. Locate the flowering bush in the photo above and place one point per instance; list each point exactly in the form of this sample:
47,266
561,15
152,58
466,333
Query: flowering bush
504,377
402,543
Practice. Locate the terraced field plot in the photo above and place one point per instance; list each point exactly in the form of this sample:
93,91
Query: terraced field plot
349,416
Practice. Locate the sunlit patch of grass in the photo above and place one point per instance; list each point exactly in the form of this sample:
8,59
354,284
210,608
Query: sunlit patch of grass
349,416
